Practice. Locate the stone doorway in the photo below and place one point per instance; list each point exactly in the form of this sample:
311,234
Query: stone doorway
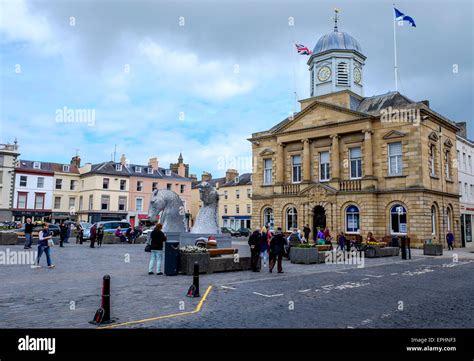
319,219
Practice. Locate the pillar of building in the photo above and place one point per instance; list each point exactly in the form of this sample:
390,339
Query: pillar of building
335,162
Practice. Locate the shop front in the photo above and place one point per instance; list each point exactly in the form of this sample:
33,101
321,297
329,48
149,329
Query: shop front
36,216
467,217
236,222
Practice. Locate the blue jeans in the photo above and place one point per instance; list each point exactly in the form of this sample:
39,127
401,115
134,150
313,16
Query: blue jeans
155,256
28,239
47,251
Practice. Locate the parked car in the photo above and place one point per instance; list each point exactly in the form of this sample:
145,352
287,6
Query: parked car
232,232
52,227
111,226
87,230
244,231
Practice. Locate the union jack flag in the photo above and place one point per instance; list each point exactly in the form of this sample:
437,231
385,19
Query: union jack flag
303,50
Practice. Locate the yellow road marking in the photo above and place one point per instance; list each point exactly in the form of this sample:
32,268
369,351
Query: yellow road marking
196,310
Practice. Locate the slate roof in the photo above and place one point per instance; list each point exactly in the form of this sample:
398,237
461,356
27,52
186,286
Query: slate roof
244,179
369,106
109,168
47,166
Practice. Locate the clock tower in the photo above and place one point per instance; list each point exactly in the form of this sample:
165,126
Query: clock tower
336,63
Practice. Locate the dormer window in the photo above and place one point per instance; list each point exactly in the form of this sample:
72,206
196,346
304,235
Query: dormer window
236,180
150,170
118,167
168,173
66,168
138,169
36,165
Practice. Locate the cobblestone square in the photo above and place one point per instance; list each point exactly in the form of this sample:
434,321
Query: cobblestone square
386,293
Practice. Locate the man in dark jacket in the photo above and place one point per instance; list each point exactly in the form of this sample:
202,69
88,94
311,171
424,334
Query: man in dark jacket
277,249
62,234
254,243
306,232
93,235
157,238
28,233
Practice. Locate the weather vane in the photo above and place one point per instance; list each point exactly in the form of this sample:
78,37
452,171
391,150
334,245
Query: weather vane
336,11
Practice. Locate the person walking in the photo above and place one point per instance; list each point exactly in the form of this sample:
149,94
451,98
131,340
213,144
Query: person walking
450,240
45,238
341,241
254,243
100,235
277,249
28,233
306,231
93,235
157,238
79,233
264,246
130,234
68,235
62,234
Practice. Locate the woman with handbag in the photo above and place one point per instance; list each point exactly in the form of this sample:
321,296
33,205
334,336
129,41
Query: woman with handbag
157,238
45,242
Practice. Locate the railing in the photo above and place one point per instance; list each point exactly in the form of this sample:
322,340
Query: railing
350,185
291,188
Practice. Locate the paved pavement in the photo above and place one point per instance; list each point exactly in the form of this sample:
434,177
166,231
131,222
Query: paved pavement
386,293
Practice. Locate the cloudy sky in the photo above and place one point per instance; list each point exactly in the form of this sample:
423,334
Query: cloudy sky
201,76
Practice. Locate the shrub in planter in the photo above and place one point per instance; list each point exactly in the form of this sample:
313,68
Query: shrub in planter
188,255
304,255
430,249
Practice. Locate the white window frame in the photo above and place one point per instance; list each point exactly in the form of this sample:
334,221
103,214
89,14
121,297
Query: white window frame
296,167
38,184
267,171
293,213
325,166
118,167
66,168
399,215
358,162
352,214
138,209
36,165
398,158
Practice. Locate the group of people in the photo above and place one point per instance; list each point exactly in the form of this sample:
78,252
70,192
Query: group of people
269,246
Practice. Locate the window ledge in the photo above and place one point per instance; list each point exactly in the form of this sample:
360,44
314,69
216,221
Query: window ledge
396,176
449,181
434,176
267,185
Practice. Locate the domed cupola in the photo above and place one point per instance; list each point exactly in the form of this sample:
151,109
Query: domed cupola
336,63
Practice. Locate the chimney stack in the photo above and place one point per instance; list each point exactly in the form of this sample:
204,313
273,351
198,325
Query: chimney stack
153,163
76,160
123,159
193,177
182,170
462,132
231,174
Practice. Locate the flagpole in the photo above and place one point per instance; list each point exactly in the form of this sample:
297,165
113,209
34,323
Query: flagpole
395,50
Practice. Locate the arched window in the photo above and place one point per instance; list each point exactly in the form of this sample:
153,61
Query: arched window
268,218
448,218
398,219
352,219
433,220
342,73
291,218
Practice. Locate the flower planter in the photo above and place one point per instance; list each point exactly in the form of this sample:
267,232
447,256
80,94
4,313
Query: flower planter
186,262
304,255
8,238
324,247
377,251
433,249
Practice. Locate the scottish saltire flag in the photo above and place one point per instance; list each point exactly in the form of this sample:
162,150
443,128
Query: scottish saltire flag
303,50
399,16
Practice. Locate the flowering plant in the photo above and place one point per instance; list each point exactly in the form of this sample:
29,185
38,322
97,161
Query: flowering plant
192,249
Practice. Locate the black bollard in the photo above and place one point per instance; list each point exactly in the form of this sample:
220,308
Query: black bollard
196,279
404,247
106,298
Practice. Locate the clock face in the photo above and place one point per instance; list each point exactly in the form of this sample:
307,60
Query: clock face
357,75
324,73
